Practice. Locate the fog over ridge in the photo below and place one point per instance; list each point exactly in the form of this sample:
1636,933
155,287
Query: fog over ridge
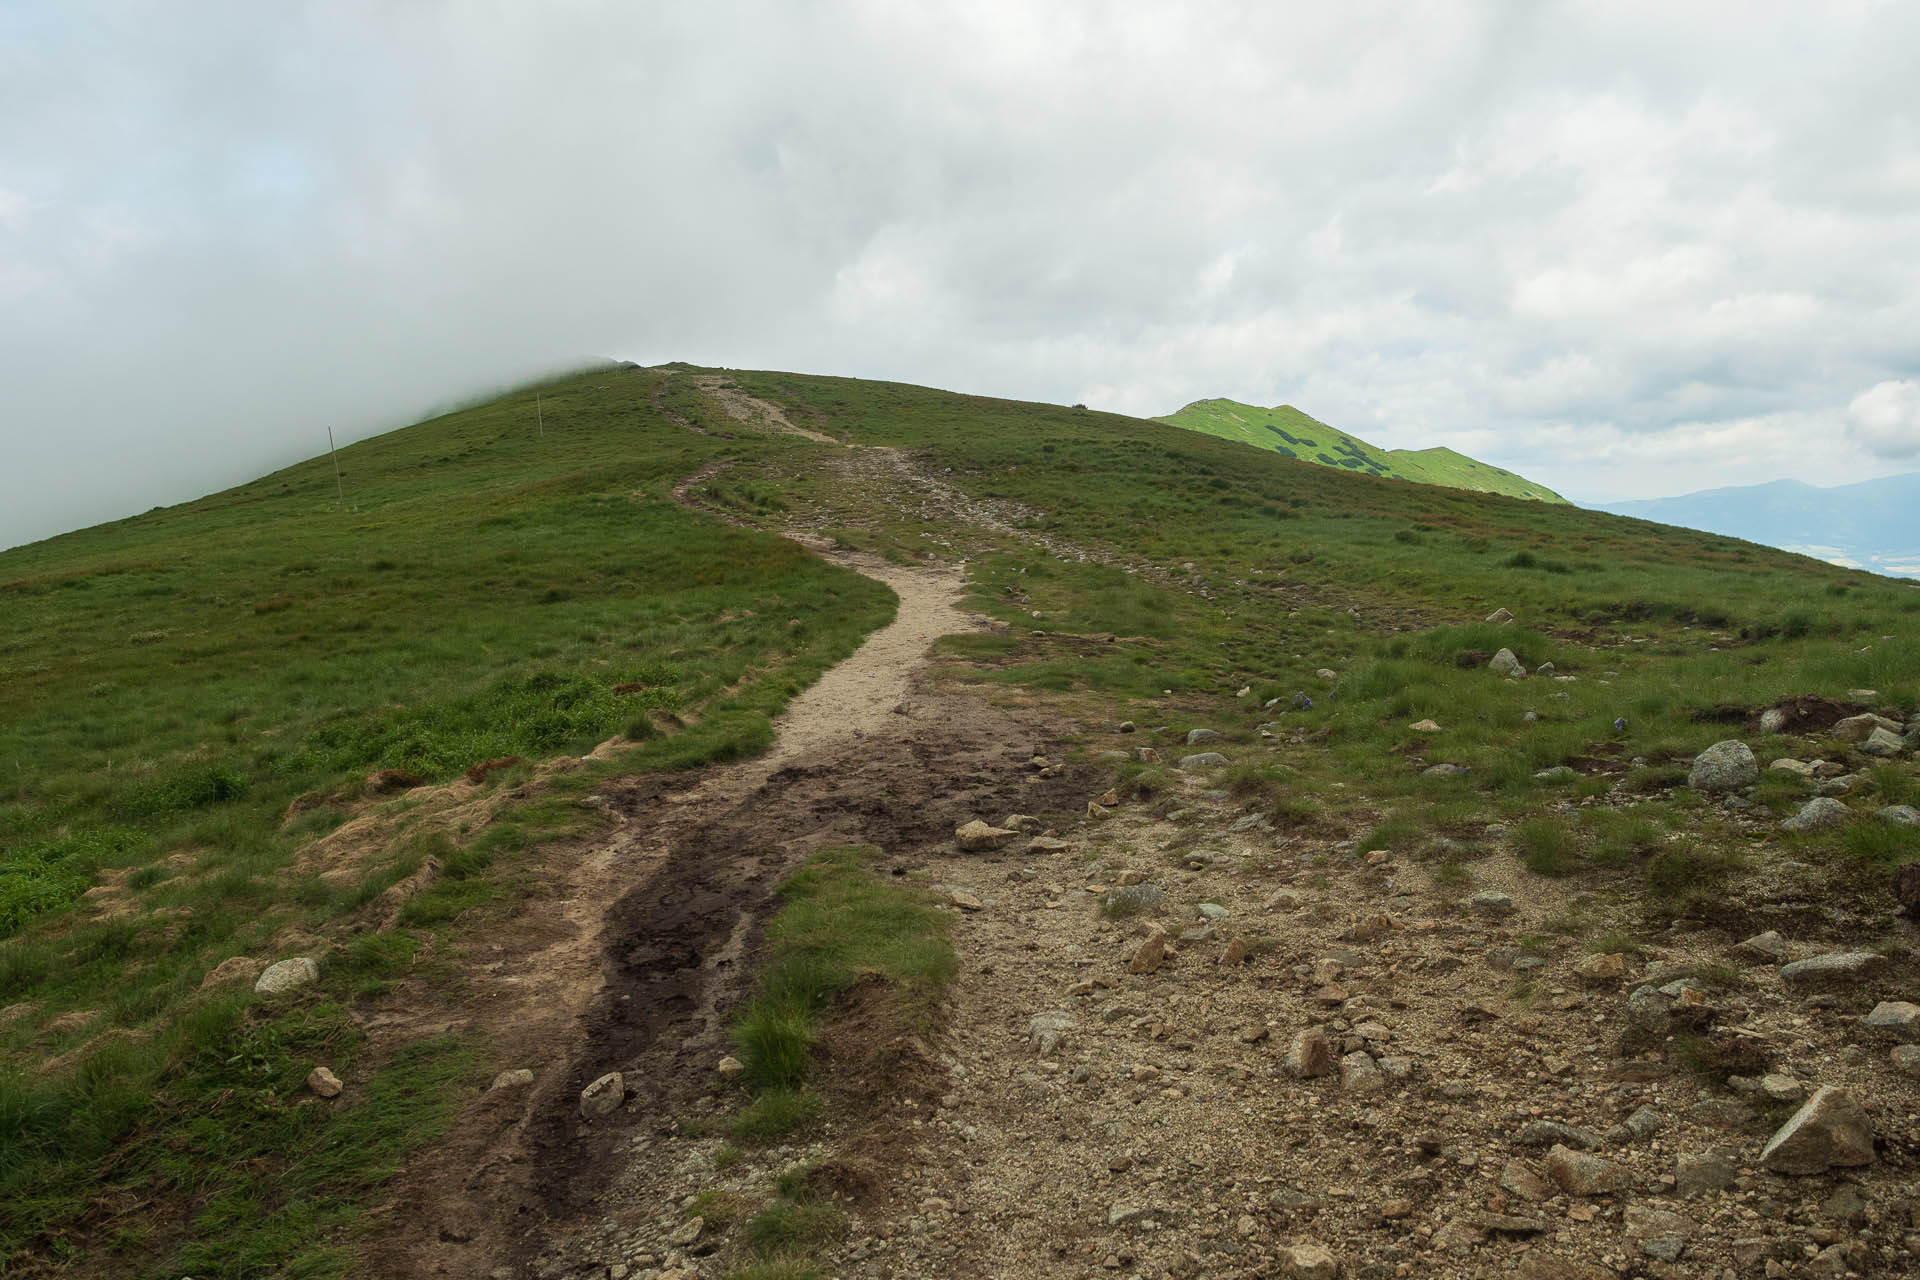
1624,250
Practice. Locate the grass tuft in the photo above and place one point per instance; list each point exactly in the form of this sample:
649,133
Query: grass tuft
1547,846
794,1226
837,922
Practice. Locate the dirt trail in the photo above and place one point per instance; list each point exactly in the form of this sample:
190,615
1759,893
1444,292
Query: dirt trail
631,960
756,412
1096,1121
865,694
1339,1049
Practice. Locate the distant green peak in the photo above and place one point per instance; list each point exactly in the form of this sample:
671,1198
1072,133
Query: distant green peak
1294,433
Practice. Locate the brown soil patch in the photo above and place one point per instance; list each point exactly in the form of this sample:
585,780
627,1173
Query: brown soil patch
645,943
871,1053
388,781
1806,711
477,773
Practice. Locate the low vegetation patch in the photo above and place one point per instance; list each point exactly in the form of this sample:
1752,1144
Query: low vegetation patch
839,926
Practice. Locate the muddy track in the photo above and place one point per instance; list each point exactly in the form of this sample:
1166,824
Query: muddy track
633,960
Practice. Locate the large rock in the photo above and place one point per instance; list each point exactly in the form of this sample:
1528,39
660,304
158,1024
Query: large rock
1358,1074
1677,1006
1202,760
1906,887
603,1097
1604,966
1818,814
1505,663
1150,954
1898,1019
1724,766
1310,1055
1309,1262
1047,1032
1660,1233
1696,1175
1860,728
1196,737
1763,948
1901,815
286,975
1830,1131
1836,968
1883,743
1580,1174
978,837
1517,1178
1644,1122
324,1083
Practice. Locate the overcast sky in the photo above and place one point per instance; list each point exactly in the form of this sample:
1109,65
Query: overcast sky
1628,250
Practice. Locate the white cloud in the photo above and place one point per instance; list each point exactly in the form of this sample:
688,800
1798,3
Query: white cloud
1886,418
1599,243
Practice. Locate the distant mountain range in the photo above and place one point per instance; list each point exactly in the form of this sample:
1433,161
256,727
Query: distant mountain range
1873,525
1285,430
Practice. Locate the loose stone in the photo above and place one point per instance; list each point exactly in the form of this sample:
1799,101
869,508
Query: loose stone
1830,1131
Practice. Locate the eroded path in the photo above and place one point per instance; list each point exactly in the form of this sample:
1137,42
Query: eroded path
1339,1050
633,958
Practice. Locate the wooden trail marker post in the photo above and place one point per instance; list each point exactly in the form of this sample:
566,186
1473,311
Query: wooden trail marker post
338,488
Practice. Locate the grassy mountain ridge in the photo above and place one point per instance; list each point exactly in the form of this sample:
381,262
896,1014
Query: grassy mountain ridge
1287,431
191,696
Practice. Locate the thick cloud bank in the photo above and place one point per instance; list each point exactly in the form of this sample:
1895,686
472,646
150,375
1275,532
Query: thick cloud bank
1624,249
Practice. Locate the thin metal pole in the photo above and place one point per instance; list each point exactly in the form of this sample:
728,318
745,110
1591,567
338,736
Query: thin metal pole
542,414
338,487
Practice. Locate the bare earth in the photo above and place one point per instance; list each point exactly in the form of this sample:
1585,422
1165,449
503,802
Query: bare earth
1087,1120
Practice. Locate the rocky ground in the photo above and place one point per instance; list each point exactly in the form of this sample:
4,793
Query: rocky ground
1182,1043
1306,1058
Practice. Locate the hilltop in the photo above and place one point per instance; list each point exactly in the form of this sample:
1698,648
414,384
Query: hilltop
1872,524
1290,433
766,825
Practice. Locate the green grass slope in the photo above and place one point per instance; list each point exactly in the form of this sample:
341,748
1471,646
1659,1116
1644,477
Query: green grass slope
1227,571
1285,430
170,684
